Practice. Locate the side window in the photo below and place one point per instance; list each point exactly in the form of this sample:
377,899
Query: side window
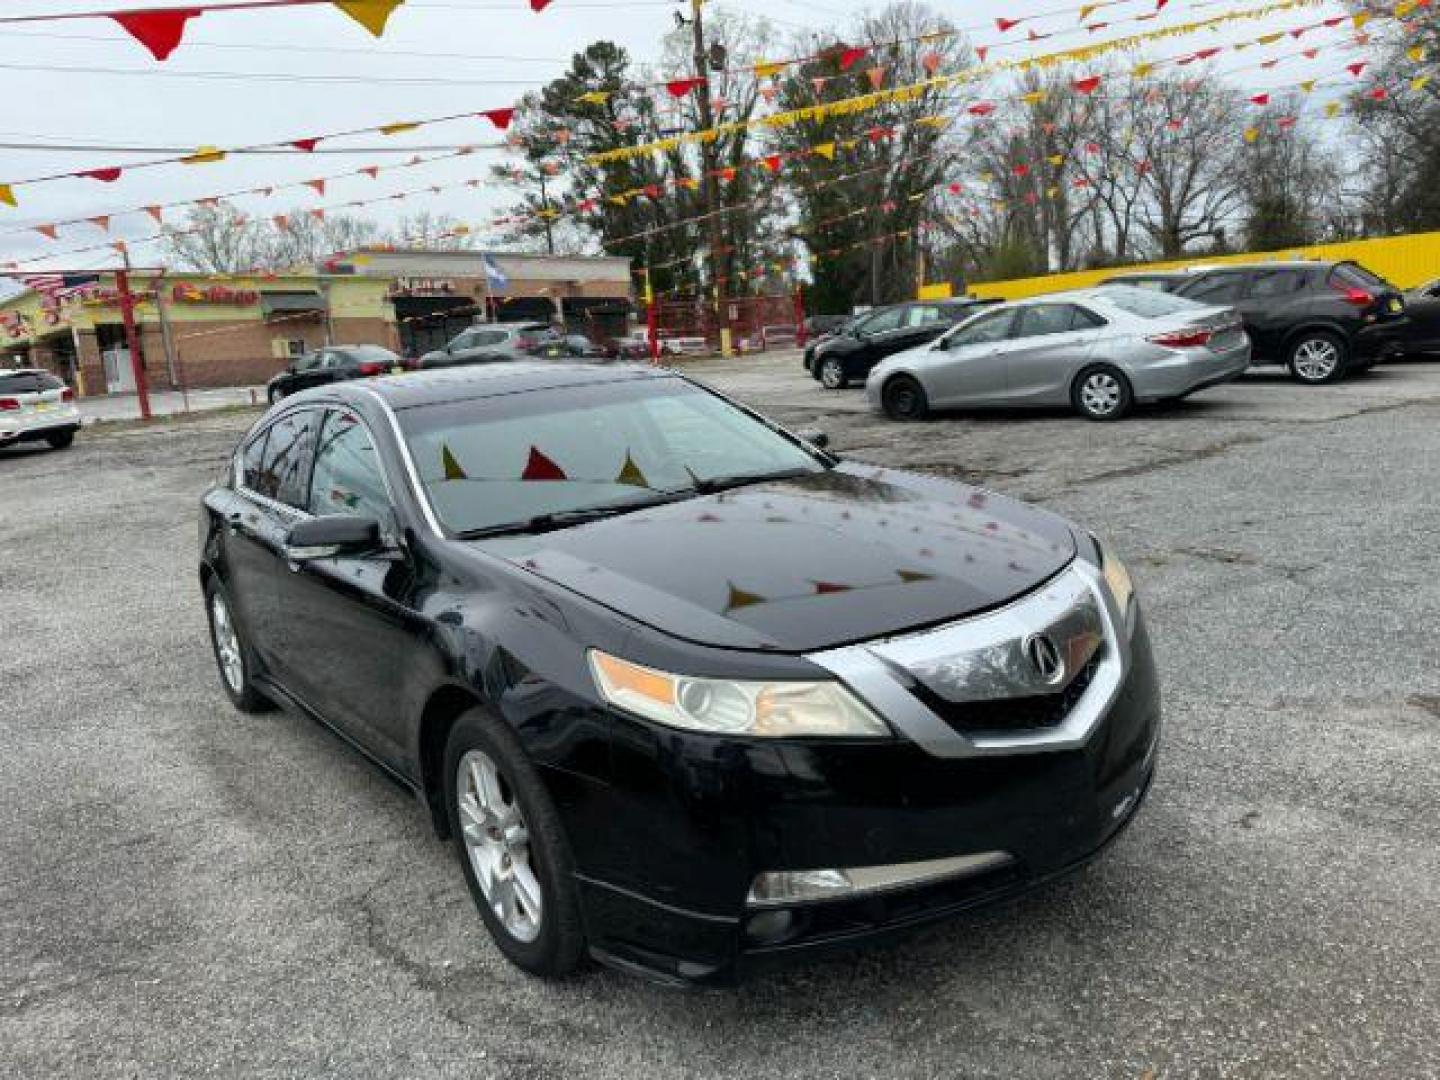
307,361
251,460
1040,320
347,477
1276,283
464,341
883,321
922,315
1216,289
285,467
1084,319
986,329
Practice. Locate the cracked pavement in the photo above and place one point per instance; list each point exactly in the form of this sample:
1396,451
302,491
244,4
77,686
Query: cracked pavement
187,891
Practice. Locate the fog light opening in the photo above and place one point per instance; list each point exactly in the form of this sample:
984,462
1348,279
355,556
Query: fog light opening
770,927
778,887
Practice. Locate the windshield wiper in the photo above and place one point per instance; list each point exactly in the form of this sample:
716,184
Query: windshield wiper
560,519
715,484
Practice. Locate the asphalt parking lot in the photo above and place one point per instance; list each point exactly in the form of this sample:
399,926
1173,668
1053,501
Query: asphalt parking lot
188,891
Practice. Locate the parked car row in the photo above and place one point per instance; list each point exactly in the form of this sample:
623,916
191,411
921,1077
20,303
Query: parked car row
1144,336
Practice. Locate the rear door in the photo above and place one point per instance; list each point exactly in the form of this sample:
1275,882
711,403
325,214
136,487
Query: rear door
1049,345
968,366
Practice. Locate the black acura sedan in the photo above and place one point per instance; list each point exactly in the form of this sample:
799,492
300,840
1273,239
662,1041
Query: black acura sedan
687,693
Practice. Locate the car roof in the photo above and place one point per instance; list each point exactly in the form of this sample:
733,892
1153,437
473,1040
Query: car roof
472,381
24,371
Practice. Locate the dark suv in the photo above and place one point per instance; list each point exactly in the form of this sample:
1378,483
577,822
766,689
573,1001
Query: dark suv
1319,319
862,343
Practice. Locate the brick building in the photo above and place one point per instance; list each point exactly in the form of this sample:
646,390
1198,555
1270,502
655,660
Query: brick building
225,330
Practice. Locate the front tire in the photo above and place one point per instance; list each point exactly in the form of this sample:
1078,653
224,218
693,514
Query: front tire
512,848
232,656
1317,357
903,398
275,394
832,374
1102,393
60,440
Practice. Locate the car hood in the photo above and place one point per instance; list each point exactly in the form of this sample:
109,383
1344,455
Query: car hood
850,554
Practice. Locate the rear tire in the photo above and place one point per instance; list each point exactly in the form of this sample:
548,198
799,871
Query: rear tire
233,657
1317,357
903,398
832,374
60,440
1102,393
505,827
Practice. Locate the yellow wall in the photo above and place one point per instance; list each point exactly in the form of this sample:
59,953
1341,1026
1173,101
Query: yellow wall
1405,261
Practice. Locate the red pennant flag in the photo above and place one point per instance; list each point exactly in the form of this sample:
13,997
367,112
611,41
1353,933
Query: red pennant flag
159,30
499,117
105,176
1260,99
818,85
823,587
876,75
955,187
1378,94
102,220
210,201
852,56
47,231
308,145
1356,68
1021,169
157,213
1174,125
931,62
372,171
678,88
1092,148
1160,4
982,51
318,214
727,173
1285,122
1033,36
1006,25
318,185
281,221
540,467
1206,54
538,6
772,162
1334,21
1087,85
981,108
1080,182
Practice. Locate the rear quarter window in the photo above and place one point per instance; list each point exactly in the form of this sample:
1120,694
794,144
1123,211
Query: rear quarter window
1355,276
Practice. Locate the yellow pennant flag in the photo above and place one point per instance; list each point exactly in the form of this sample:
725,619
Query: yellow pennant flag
1056,159
1404,8
825,150
396,129
1269,39
767,70
1307,86
1251,134
1332,110
371,14
7,195
1034,97
1415,84
1416,53
204,155
1142,70
1360,19
594,97
1087,11
1053,192
452,468
630,473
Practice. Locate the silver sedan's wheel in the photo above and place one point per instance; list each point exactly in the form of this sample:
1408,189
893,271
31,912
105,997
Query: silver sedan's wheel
227,645
1101,393
1316,360
497,841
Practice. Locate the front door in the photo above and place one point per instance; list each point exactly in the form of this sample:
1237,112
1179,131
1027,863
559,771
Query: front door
971,367
350,629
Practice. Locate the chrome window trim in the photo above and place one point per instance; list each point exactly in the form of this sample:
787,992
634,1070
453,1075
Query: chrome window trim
874,677
238,471
407,461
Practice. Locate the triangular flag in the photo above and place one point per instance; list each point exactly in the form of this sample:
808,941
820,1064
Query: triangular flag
593,97
1087,10
1006,25
1356,68
396,129
157,213
771,162
318,213
499,117
204,155
930,62
981,108
1307,86
318,185
1416,53
452,468
1360,19
852,56
281,221
630,473
823,587
678,88
308,145
1332,109
1415,84
7,195
1260,99
371,14
825,150
739,598
1087,85
106,176
1251,134
102,221
48,231
767,70
372,171
540,467
876,75
1034,97
1142,70
981,51
159,30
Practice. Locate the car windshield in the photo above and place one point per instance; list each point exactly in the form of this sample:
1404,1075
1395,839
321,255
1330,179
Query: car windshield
493,462
1146,303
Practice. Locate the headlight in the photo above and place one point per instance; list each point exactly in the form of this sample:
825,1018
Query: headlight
1117,578
726,707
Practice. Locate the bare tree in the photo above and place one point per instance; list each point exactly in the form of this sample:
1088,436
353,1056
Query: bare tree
431,231
214,240
1291,184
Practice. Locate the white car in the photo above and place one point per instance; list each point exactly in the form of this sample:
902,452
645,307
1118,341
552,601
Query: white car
36,405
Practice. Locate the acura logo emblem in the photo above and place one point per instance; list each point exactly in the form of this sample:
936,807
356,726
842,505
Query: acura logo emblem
1044,657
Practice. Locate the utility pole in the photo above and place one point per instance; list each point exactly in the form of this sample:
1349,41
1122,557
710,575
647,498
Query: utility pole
709,166
132,337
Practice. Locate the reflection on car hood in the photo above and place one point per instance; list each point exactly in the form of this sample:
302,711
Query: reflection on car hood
796,565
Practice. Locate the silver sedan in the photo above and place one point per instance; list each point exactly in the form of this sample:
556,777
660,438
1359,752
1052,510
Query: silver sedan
1097,350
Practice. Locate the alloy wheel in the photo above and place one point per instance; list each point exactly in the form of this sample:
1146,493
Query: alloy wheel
832,375
1316,359
227,644
497,841
1101,393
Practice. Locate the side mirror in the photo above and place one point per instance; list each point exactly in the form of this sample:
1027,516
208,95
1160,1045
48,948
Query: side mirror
331,535
815,437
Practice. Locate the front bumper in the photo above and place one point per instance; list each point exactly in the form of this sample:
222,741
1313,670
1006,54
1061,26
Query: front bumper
695,819
22,427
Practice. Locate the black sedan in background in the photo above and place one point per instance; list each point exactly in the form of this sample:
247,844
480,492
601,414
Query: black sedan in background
852,350
333,363
686,693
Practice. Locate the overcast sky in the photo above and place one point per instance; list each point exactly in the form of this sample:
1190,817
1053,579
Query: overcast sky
254,77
